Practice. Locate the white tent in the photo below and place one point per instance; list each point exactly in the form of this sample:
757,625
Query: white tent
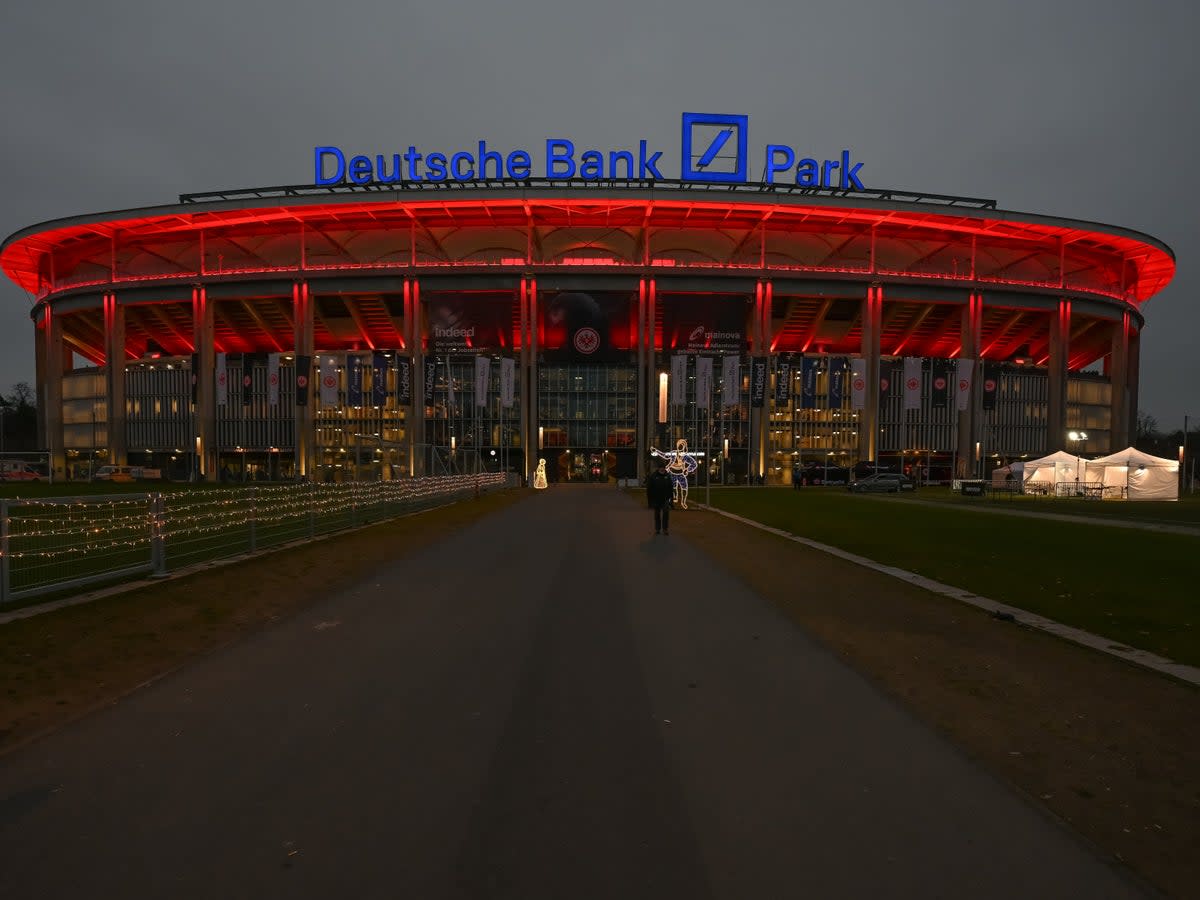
1041,475
1012,473
1134,475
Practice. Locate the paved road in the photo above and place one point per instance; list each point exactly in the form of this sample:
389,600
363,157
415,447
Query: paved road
555,704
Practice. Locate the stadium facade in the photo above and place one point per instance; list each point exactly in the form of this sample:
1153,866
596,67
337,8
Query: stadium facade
370,329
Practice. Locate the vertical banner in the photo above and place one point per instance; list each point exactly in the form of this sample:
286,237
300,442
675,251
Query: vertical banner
379,370
508,380
783,380
678,380
354,380
912,382
838,365
430,378
273,379
858,383
247,377
940,384
808,382
704,376
329,381
731,380
483,378
195,375
966,369
887,382
303,370
403,381
451,400
758,381
222,375
991,384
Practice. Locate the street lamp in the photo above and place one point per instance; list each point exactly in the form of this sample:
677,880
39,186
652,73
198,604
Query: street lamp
1076,437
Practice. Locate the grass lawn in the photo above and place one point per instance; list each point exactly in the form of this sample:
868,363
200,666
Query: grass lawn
1185,511
1131,586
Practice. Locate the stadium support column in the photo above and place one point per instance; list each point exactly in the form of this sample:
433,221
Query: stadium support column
302,308
114,356
1056,376
205,411
1135,360
968,430
868,425
51,364
1120,435
525,374
415,414
641,440
529,379
650,395
760,345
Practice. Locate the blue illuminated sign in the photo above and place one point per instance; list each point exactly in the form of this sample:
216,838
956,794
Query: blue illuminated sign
714,148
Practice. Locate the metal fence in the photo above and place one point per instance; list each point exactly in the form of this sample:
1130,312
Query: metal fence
60,544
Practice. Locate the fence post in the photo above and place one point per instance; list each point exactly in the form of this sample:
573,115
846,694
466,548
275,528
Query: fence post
253,519
353,504
158,552
4,558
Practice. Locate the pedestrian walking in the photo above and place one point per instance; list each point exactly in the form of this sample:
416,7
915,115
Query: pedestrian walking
658,496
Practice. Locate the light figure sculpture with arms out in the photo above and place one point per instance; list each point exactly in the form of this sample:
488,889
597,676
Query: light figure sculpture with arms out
539,477
680,464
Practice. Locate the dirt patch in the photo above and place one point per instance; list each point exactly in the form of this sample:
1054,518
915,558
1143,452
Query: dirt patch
61,664
1111,749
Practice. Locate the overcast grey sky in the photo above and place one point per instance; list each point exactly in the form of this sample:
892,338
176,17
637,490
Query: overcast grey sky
1084,109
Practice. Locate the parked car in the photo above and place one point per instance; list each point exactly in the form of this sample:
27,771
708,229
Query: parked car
126,473
883,483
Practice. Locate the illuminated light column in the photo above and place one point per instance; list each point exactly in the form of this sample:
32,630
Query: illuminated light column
529,379
114,377
649,401
968,419
205,412
302,309
414,415
641,441
531,431
868,417
760,345
1117,366
1056,374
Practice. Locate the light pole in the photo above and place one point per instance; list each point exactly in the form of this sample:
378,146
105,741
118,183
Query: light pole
1075,437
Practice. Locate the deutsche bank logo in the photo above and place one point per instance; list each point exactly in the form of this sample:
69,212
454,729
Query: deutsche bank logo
709,151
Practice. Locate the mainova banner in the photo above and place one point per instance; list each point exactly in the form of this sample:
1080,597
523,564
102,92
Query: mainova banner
678,380
704,381
508,379
354,380
698,323
838,366
379,370
731,380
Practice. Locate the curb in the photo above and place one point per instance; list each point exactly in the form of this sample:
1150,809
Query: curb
1160,664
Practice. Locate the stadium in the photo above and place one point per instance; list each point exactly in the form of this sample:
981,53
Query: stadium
350,330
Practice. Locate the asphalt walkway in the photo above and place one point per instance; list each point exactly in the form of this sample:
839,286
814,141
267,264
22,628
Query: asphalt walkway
555,704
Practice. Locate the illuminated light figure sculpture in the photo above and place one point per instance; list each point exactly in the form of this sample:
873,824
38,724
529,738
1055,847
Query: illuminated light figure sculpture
680,464
539,477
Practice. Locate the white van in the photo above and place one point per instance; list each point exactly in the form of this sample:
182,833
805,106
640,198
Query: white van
19,470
